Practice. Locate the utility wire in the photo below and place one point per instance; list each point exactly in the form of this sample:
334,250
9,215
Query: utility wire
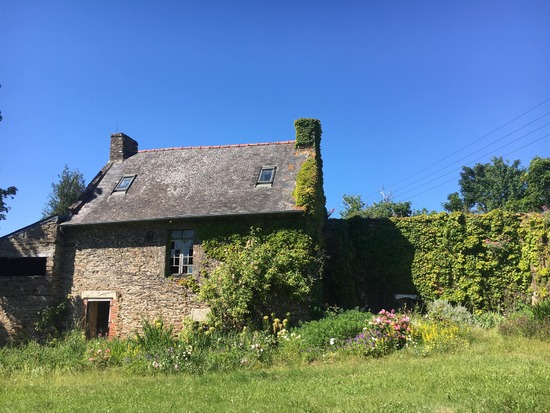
454,179
471,144
476,141
477,151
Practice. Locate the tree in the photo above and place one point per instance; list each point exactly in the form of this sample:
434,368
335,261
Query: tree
354,206
387,209
65,192
5,193
495,185
538,184
454,203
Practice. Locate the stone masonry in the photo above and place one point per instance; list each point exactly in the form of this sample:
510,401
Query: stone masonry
22,297
127,263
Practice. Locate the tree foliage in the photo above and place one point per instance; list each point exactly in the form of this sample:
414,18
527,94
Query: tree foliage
485,187
538,184
354,206
454,203
502,185
4,194
65,192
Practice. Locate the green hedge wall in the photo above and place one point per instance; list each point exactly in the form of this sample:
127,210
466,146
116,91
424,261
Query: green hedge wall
492,262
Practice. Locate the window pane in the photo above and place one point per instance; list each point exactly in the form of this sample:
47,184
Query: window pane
181,251
176,235
124,183
266,174
187,233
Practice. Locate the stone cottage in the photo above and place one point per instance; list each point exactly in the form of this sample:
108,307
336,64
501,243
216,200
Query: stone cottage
136,229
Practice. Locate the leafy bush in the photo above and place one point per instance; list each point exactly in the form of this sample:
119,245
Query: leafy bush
155,336
336,327
442,311
525,324
488,319
386,333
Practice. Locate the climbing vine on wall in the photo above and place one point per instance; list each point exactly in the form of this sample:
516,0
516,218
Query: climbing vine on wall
257,274
486,262
308,193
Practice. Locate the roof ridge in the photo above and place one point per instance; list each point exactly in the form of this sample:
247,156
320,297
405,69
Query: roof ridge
236,145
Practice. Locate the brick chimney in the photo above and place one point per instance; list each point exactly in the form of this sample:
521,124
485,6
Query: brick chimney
122,147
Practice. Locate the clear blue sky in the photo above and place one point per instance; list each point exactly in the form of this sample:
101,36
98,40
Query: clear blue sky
397,85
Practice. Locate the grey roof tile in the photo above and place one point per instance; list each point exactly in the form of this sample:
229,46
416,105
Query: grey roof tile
193,182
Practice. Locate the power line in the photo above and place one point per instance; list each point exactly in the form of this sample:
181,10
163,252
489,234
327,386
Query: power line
478,140
477,151
454,179
473,153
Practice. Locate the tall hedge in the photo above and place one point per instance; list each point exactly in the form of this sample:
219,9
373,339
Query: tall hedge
485,262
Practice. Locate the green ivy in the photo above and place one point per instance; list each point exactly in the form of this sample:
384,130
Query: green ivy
308,193
257,274
490,262
308,133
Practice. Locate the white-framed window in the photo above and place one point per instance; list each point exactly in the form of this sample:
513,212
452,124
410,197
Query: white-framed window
124,183
181,251
266,176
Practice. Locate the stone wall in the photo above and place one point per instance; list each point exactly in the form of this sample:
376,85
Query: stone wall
127,261
22,297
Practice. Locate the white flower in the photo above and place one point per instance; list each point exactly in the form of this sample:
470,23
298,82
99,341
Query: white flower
332,341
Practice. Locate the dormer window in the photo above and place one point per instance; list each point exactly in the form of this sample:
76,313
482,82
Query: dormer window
267,173
124,183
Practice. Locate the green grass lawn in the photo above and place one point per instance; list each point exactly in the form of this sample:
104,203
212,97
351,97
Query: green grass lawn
493,374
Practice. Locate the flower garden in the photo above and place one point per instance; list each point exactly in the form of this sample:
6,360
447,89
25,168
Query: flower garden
441,359
199,348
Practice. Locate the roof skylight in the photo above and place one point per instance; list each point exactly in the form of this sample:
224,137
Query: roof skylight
124,183
267,174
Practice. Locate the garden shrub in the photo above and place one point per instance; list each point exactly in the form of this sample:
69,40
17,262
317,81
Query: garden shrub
430,335
541,310
443,311
532,322
155,336
385,333
488,319
332,330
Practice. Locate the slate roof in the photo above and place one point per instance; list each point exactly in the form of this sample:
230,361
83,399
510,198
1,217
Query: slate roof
192,182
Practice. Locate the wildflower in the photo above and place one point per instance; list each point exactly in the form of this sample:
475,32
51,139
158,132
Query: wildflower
332,341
